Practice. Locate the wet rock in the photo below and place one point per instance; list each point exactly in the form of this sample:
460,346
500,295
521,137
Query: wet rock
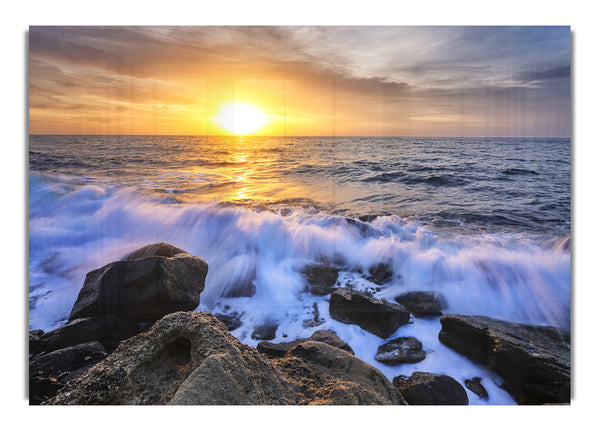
231,321
321,279
423,303
475,386
147,284
266,331
534,360
381,318
191,358
403,350
35,336
381,273
276,350
244,287
316,320
431,389
49,372
108,330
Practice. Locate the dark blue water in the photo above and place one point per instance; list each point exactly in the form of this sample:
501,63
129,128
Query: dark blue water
465,183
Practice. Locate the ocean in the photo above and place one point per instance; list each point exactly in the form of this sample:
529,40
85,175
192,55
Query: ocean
485,221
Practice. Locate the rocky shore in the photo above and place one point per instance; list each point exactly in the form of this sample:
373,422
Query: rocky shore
133,338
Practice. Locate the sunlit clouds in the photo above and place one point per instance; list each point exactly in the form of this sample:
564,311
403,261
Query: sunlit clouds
406,81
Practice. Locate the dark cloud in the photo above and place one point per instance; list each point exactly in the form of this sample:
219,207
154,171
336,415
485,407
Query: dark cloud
543,75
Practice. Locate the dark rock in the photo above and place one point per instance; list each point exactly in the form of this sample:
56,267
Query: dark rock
35,336
316,320
49,372
423,303
534,360
431,389
244,287
191,358
232,321
403,350
381,273
158,249
382,318
321,279
277,350
266,331
475,386
109,330
144,286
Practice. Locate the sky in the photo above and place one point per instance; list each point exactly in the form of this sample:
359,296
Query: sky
316,80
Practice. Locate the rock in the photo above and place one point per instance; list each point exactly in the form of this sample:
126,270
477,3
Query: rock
431,389
243,288
381,273
423,303
277,350
381,318
266,331
109,330
191,358
49,372
231,321
149,283
403,350
158,249
35,335
534,360
475,386
321,279
316,320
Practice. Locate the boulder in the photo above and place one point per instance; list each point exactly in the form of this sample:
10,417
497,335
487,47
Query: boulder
108,330
381,318
475,386
147,284
191,358
423,303
49,372
381,273
403,350
431,389
321,279
533,360
275,350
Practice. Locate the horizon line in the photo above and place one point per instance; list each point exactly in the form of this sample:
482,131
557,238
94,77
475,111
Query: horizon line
297,136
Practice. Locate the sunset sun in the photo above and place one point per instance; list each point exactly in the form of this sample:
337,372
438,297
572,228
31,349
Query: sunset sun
240,118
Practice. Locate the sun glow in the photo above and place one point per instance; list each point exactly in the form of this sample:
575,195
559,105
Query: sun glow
240,118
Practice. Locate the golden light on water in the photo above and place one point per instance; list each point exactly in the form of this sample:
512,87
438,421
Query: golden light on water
241,118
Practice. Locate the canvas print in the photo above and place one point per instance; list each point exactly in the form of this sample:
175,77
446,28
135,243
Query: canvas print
297,215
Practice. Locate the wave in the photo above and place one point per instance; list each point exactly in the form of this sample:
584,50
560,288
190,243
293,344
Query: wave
76,226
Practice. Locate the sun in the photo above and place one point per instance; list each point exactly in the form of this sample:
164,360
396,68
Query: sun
240,118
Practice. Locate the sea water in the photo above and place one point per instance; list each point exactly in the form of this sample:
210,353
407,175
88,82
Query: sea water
484,221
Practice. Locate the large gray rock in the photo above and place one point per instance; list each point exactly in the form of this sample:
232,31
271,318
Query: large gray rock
277,350
534,360
431,389
147,284
191,358
381,318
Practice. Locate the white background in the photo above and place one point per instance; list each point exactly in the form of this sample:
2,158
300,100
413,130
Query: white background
18,16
